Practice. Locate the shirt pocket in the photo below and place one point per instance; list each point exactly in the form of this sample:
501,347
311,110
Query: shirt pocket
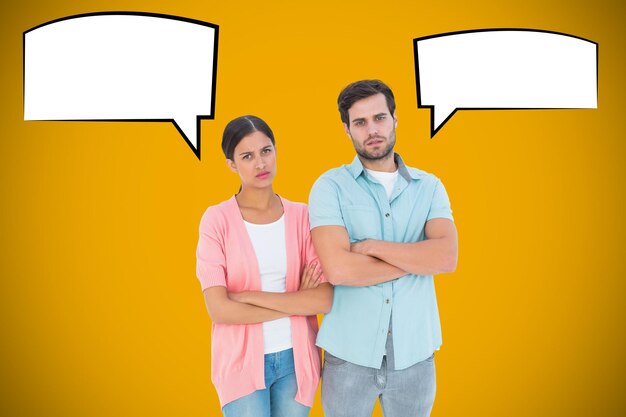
362,222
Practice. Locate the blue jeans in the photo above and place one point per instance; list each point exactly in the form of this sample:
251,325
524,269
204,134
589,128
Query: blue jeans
277,399
350,390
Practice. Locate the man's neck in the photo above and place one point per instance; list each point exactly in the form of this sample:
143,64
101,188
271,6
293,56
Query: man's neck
387,164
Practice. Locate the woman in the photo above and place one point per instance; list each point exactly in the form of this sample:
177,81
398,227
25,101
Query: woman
261,285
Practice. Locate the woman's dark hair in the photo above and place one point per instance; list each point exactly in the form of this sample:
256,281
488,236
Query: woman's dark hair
360,90
241,127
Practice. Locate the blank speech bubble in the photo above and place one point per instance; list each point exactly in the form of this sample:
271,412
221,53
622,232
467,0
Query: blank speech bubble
504,69
122,66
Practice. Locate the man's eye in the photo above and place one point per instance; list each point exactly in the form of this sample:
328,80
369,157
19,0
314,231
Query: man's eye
246,157
381,117
266,150
358,123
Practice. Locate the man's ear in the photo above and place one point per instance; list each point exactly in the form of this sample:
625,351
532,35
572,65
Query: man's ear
395,120
347,129
231,165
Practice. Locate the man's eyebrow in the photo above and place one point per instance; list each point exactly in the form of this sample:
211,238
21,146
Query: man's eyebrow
244,153
381,114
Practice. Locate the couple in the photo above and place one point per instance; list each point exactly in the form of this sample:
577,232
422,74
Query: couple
381,230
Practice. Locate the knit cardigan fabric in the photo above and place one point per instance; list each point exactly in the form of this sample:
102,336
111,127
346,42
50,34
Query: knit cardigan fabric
226,257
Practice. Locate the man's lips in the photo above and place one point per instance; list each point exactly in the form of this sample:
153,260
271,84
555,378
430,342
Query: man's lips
375,141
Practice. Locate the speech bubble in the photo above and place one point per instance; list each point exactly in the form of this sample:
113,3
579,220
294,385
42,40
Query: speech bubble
508,69
122,66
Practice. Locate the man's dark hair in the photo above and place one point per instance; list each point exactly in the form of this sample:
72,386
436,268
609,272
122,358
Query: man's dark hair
360,90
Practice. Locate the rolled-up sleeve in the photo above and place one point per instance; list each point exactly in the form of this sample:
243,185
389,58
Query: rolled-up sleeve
324,207
210,258
440,205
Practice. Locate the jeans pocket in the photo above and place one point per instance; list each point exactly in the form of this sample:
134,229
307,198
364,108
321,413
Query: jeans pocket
330,360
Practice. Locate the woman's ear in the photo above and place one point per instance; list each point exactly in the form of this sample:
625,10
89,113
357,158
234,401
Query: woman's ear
231,165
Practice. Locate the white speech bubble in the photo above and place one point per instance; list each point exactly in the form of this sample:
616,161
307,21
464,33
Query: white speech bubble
504,69
122,66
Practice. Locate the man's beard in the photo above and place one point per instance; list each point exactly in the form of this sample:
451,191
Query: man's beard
380,154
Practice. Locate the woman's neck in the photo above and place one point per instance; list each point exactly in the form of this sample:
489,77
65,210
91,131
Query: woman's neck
257,198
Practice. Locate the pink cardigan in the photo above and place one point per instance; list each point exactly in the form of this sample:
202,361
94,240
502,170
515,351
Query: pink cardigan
225,257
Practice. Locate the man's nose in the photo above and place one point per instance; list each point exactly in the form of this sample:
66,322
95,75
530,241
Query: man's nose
372,129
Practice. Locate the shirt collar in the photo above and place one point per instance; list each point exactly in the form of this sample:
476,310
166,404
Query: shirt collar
356,168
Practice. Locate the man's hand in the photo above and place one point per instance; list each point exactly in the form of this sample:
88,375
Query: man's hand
343,266
434,255
362,247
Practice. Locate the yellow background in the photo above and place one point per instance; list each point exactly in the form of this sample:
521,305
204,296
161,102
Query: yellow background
102,314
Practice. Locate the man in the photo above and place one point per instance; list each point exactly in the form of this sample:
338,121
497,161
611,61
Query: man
381,230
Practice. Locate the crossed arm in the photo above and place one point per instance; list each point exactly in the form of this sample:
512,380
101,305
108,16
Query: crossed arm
371,262
258,306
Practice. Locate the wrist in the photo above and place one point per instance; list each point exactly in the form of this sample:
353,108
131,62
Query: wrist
239,297
370,247
244,297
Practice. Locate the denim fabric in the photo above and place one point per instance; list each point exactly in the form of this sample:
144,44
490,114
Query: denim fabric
277,399
350,390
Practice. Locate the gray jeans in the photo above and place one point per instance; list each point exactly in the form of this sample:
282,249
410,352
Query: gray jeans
350,390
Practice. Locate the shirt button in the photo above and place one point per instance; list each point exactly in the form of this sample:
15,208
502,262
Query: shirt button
387,214
389,333
387,301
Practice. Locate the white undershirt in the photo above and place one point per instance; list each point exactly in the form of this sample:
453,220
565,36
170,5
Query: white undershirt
387,179
268,241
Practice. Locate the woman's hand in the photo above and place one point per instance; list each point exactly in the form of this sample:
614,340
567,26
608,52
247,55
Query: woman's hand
224,310
310,276
310,279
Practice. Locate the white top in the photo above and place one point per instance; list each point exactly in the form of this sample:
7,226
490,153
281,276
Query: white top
268,241
387,179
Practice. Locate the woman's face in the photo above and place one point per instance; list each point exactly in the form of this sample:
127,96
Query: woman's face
254,159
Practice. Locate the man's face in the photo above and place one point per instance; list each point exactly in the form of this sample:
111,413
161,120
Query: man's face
371,127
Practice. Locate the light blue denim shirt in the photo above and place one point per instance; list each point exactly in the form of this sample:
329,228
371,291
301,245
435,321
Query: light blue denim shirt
356,328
